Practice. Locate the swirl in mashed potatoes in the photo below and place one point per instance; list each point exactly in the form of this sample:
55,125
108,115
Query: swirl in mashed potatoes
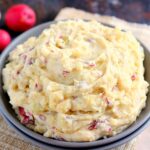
77,81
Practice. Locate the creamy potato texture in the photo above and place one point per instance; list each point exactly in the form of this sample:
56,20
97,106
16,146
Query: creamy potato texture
77,81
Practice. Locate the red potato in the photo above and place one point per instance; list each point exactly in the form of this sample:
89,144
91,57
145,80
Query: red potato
20,17
5,39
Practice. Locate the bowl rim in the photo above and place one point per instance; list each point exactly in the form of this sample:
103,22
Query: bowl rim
23,37
102,147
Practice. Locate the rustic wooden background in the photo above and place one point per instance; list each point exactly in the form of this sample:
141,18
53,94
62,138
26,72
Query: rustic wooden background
131,10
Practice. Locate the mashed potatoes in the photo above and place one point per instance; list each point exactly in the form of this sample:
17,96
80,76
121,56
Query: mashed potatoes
77,81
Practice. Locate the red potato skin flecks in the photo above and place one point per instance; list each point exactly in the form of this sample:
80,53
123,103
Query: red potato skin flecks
21,111
20,17
93,125
133,77
5,39
27,118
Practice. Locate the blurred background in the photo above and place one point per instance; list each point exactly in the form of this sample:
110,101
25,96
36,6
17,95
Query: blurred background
131,10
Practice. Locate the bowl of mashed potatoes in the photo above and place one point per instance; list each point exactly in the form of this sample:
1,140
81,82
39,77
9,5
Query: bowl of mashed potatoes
75,83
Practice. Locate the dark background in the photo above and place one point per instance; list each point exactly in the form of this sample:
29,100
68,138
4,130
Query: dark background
46,10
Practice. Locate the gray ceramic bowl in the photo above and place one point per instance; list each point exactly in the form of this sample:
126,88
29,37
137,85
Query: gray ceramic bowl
11,116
